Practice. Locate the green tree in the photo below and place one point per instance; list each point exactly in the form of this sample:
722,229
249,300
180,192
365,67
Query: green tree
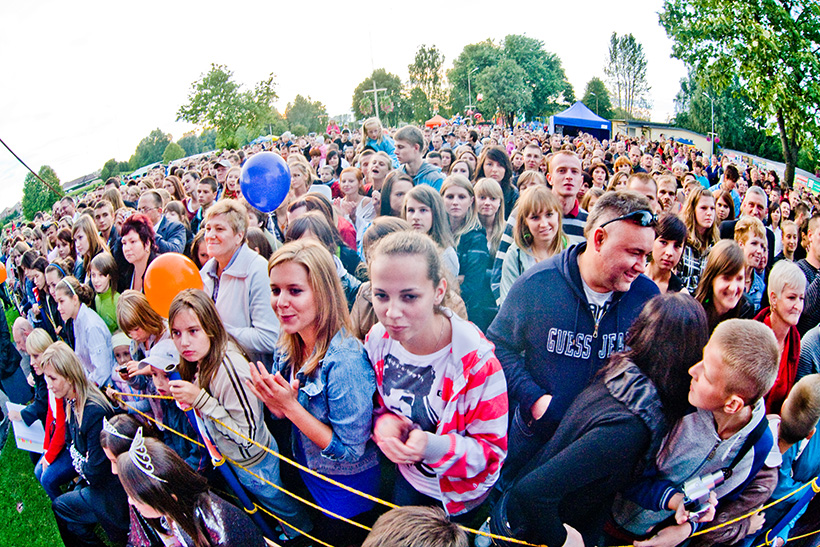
471,61
540,73
110,169
392,96
207,141
625,68
543,74
150,149
38,196
217,102
172,152
426,75
505,89
772,47
596,98
306,112
736,119
416,106
190,143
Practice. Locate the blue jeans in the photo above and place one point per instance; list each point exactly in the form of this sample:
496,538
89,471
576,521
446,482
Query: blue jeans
57,474
276,501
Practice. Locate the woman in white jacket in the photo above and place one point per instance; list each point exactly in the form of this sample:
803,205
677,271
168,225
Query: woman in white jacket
236,279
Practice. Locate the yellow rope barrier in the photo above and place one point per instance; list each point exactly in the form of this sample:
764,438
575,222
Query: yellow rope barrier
756,511
385,503
256,506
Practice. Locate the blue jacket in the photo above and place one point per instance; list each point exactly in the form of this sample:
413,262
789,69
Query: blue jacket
170,236
427,174
546,337
339,393
386,145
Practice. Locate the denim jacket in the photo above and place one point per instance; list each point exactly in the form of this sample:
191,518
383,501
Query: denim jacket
339,393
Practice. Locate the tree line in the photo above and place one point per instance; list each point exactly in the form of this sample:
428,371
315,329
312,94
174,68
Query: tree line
758,67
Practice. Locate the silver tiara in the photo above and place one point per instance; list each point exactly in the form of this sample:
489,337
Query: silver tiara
109,428
140,457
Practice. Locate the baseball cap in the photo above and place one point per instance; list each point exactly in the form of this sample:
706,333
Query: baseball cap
164,356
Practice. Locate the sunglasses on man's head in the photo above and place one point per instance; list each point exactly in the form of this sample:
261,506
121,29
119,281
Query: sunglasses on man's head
642,218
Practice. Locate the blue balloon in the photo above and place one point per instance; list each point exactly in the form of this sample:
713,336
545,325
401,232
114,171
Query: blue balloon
265,181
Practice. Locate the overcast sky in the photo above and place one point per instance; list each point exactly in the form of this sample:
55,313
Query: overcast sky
85,81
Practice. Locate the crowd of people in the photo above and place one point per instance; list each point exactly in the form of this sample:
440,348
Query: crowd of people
557,339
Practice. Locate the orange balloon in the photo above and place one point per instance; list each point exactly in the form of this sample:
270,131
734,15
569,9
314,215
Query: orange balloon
167,276
2,273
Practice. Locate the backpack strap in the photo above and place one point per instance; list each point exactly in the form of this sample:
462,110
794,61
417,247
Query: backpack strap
760,432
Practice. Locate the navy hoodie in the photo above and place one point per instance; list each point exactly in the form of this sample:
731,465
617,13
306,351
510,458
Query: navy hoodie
546,338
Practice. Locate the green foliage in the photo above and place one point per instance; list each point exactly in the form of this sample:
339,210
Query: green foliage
626,70
771,47
33,525
596,98
417,107
299,130
207,141
150,149
38,196
172,152
427,76
306,112
471,61
537,82
190,143
15,214
736,119
543,74
504,88
217,102
392,84
110,169
807,160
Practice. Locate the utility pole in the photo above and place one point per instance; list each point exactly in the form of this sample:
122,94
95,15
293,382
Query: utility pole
596,102
712,134
470,106
375,93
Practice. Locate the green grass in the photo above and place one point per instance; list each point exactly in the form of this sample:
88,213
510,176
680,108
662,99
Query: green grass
25,510
33,525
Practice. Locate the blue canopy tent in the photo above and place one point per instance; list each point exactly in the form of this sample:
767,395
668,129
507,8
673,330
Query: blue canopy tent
579,118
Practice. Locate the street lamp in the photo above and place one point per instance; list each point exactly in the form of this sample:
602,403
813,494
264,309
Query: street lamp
712,134
469,91
596,102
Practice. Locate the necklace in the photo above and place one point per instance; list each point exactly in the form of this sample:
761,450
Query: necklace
440,334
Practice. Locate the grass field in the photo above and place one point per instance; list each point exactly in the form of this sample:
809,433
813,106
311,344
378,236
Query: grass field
25,510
